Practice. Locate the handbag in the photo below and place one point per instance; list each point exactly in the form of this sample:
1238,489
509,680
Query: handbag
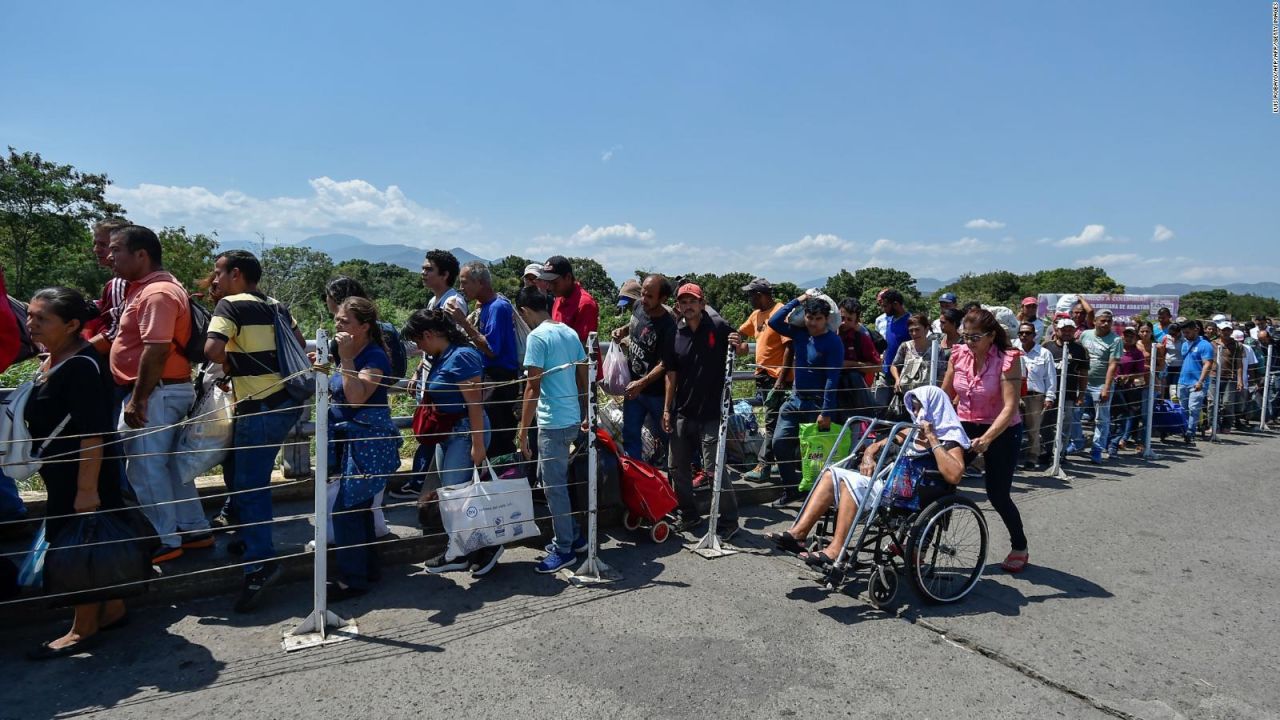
431,425
482,513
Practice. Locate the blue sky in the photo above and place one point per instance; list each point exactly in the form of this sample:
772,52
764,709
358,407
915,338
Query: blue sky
777,138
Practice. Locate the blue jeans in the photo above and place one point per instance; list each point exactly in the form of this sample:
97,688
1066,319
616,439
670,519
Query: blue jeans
172,506
11,506
634,414
249,466
457,465
786,436
1192,401
1101,416
553,464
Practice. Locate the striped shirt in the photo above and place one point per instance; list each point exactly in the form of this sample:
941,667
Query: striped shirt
246,323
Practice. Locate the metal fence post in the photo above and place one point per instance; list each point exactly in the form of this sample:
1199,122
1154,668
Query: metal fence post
935,349
1217,394
314,630
1147,452
1059,430
593,570
1266,390
709,546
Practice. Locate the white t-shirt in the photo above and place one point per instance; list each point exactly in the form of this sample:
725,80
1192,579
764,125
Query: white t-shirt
450,299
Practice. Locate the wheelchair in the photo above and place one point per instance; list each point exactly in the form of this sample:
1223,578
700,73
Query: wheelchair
936,537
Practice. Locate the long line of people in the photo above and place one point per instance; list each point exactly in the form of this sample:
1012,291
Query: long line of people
507,384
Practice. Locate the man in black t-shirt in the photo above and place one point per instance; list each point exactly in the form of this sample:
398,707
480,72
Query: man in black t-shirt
651,331
1077,381
695,375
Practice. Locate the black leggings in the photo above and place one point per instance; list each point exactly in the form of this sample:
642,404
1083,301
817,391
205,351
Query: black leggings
1001,460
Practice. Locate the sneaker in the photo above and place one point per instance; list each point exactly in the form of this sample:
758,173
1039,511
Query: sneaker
554,561
198,541
484,559
580,544
439,564
1072,449
787,497
683,524
755,474
1095,456
220,523
254,584
409,491
701,481
164,553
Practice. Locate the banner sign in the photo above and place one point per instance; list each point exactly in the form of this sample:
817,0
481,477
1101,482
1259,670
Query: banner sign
1125,309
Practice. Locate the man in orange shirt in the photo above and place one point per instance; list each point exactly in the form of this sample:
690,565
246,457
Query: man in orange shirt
148,365
773,365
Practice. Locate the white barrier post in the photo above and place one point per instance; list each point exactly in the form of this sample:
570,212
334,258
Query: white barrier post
1147,452
935,349
1060,430
593,570
709,546
1217,393
314,630
1266,389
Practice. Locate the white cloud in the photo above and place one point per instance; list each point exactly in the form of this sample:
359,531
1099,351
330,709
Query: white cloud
823,242
1104,261
961,247
333,206
607,155
1090,235
984,224
620,248
1199,273
1161,234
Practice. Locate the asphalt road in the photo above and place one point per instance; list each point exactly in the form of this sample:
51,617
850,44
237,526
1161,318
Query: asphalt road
1151,595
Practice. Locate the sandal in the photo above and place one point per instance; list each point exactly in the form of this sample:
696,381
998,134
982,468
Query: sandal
1015,564
785,541
816,559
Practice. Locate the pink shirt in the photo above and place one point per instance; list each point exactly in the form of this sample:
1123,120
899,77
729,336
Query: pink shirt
978,397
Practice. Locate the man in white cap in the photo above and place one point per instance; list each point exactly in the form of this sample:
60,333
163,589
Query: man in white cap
530,278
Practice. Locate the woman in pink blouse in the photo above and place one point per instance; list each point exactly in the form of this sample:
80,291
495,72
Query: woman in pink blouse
984,380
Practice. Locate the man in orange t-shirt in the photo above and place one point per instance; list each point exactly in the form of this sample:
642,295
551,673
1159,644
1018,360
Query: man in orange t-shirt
773,365
148,366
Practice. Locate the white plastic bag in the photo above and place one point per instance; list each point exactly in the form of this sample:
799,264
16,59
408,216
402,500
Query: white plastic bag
617,373
796,317
207,434
480,514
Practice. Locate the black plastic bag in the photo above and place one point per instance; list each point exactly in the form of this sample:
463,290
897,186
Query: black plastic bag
94,553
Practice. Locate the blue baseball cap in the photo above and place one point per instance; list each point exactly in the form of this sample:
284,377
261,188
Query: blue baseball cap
947,297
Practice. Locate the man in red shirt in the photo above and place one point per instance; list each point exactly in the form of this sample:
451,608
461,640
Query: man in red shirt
100,331
574,306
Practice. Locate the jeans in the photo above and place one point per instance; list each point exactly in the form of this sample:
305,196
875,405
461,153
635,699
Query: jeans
1101,416
771,399
634,415
786,436
1230,410
1193,401
171,505
553,464
11,506
697,439
1132,417
356,565
1032,416
456,466
255,442
1001,461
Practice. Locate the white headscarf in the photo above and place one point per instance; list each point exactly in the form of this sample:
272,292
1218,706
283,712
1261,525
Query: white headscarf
937,410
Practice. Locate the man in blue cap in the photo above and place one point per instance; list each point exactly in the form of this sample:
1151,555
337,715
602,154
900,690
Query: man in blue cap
946,301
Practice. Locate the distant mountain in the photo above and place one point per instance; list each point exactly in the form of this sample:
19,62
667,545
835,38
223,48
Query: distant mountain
341,247
1263,289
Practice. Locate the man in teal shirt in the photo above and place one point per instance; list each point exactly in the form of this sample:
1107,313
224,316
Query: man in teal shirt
1104,348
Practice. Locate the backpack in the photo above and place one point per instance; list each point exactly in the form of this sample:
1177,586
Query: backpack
17,459
193,350
293,363
876,339
26,348
399,358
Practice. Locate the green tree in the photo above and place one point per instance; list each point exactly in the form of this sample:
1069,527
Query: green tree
45,208
188,256
866,283
1206,303
508,275
1002,287
382,281
993,288
296,276
593,278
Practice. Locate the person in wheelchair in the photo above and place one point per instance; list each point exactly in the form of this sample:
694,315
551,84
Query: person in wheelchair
937,457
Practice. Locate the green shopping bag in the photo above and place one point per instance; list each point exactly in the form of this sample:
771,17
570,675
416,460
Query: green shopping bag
815,445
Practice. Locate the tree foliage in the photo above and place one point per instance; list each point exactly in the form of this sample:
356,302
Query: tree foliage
1002,287
1206,303
45,210
189,256
296,276
866,283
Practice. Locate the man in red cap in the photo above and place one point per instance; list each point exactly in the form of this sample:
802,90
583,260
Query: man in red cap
695,364
1027,314
574,306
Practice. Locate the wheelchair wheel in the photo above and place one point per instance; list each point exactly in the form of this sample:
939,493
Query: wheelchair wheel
947,549
882,586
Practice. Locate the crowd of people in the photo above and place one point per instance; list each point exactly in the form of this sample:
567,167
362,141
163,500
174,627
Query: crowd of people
503,383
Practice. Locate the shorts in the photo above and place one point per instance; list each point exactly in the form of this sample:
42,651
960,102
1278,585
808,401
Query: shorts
856,482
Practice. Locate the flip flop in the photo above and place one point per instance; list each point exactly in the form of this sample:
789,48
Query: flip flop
785,541
1014,564
815,559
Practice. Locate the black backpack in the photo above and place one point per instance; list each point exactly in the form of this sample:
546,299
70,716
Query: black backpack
876,338
193,351
26,348
399,359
